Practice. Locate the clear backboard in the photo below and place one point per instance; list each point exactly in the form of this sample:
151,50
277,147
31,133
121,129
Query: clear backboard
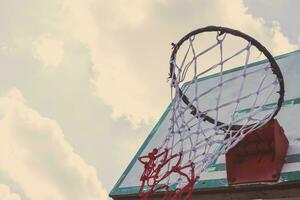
213,182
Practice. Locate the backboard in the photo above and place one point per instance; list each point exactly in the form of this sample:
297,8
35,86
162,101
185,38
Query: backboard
213,182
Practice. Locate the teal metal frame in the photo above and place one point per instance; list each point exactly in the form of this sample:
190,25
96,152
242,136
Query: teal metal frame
207,184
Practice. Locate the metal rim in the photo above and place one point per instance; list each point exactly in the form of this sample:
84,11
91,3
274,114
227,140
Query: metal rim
274,67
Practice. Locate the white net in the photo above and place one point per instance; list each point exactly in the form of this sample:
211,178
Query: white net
207,122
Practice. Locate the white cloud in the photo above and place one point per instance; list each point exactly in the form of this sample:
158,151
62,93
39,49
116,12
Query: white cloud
48,50
35,155
130,45
115,80
235,15
5,48
6,194
281,43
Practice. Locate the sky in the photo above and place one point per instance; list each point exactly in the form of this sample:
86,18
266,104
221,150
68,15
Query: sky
82,83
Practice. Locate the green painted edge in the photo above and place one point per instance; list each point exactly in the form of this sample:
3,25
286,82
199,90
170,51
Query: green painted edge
269,106
116,189
222,167
292,158
208,184
249,65
214,183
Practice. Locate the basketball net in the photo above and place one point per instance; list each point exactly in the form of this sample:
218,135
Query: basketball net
196,137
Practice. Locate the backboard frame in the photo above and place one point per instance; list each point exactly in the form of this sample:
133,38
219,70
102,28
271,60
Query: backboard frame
290,180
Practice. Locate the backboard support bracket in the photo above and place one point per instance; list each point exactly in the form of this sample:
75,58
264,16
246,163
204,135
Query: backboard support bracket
259,157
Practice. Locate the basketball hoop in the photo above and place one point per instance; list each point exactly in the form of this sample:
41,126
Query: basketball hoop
214,124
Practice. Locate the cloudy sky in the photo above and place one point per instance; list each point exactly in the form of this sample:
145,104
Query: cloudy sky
83,82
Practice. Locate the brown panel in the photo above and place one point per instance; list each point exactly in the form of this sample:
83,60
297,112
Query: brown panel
285,191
